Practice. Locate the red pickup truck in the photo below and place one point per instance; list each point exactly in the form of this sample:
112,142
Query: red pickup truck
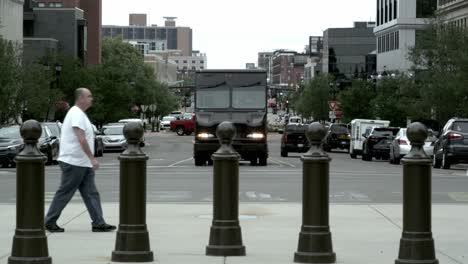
183,126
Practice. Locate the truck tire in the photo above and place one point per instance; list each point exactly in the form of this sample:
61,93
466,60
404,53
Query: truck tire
180,131
284,153
188,133
253,161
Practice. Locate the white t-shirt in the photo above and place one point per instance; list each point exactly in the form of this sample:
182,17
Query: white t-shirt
71,151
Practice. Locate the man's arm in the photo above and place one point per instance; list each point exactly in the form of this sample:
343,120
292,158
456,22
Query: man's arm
80,134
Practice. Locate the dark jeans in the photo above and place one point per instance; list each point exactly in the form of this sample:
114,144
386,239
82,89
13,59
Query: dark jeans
76,178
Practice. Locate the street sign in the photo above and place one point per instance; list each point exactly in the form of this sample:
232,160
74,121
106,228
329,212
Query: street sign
333,105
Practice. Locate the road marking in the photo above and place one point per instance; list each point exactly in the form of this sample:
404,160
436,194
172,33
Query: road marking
170,195
182,161
284,162
459,196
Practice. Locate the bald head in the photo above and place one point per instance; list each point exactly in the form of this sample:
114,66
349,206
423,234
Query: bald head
83,98
80,92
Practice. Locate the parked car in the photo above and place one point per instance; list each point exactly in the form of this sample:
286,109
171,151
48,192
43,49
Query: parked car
49,144
452,145
401,146
337,137
358,127
98,143
183,126
11,144
166,122
113,138
377,143
295,120
294,139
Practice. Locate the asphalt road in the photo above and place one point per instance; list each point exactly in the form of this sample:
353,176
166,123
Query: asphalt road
172,177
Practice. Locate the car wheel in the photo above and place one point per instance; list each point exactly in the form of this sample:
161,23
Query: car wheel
199,161
262,160
179,131
436,163
284,153
188,133
445,162
253,161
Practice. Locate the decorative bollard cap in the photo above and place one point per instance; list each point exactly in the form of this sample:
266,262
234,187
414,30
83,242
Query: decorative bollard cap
31,131
133,131
225,132
417,134
315,133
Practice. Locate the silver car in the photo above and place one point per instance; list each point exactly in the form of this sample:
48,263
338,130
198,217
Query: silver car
401,146
113,137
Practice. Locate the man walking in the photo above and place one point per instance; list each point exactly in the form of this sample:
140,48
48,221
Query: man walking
77,162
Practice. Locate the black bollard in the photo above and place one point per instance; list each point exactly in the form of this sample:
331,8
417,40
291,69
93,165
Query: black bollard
132,242
417,244
315,241
30,241
225,234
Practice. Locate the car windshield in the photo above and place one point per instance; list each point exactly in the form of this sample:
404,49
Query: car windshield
213,97
113,130
295,128
10,132
382,133
460,126
54,130
168,118
249,97
339,129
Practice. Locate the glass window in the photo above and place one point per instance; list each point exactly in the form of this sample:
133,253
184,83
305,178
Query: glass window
10,132
139,33
150,33
185,61
41,5
193,61
395,9
194,68
460,126
213,97
202,62
112,130
117,32
249,97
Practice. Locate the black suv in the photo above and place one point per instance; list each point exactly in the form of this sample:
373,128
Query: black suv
337,137
452,145
294,139
377,143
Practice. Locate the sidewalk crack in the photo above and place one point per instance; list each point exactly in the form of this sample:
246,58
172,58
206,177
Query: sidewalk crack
399,227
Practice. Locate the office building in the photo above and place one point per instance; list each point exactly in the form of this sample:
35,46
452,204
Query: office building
454,12
345,49
11,20
93,15
397,24
137,20
169,37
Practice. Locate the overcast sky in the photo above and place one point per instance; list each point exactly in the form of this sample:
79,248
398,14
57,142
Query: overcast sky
231,33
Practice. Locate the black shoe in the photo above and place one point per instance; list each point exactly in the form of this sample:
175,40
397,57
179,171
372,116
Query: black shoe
104,228
54,228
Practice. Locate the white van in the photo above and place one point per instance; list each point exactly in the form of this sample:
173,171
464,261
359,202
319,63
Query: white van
360,127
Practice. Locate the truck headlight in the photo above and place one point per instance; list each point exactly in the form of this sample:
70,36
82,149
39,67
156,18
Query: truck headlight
205,136
256,136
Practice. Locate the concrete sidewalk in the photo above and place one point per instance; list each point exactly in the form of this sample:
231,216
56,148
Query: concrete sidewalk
361,233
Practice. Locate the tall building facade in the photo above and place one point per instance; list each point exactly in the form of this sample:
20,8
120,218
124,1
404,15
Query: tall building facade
287,68
169,37
93,16
397,24
11,20
345,49
454,12
48,30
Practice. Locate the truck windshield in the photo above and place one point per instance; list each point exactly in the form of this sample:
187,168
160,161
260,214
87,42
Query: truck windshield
249,97
213,97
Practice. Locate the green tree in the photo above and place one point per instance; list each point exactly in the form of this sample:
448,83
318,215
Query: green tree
356,101
10,80
313,101
441,63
